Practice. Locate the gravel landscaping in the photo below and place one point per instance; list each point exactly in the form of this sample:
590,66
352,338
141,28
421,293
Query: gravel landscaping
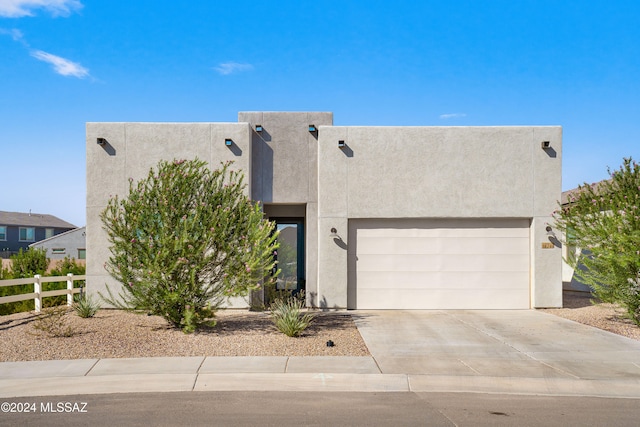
119,334
579,308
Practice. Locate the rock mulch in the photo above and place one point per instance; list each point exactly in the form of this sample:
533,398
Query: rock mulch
578,306
121,334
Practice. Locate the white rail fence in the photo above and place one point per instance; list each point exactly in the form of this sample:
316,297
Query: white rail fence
37,293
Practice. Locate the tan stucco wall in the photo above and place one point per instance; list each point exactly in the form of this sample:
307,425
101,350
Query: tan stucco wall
284,174
438,172
131,150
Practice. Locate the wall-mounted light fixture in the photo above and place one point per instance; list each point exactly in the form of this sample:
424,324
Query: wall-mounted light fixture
546,144
228,142
312,128
258,128
341,144
101,141
334,233
550,232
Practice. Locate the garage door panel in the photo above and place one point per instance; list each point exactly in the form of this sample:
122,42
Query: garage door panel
437,262
398,245
452,299
441,280
446,228
440,263
418,245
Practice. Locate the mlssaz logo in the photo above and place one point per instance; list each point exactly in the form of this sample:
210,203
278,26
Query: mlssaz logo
67,407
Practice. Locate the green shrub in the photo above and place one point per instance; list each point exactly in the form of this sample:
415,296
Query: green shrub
604,222
287,316
29,263
68,265
184,240
5,273
18,306
64,267
24,264
85,306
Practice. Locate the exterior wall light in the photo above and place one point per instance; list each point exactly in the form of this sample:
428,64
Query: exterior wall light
341,144
312,128
101,141
228,142
334,232
546,144
258,128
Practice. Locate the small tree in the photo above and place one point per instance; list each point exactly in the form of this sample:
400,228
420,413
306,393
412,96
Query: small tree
603,220
185,239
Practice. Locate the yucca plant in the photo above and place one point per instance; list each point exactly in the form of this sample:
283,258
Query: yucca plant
86,307
287,316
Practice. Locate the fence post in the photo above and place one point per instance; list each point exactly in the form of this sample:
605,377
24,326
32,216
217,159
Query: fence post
37,289
70,289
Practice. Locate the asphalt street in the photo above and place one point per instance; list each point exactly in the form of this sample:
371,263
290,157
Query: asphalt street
320,409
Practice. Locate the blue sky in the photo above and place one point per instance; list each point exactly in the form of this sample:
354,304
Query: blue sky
429,63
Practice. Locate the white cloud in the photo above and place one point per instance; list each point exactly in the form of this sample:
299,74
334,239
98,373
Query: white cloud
232,67
452,116
14,33
61,66
20,8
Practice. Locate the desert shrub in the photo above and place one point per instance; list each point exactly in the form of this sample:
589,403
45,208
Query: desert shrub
603,220
286,314
184,240
54,322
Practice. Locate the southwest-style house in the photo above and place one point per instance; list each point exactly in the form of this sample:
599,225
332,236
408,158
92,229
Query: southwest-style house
19,230
373,217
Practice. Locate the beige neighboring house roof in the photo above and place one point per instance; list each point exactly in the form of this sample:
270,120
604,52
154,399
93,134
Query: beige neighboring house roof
33,220
566,195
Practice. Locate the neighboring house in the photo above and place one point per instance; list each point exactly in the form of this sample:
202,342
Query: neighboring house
70,244
19,230
383,217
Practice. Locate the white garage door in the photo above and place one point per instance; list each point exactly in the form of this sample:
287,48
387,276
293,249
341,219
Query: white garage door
439,264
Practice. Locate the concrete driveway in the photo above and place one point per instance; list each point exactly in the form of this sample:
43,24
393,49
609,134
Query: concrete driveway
510,348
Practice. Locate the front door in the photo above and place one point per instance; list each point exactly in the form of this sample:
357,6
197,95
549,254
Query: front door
290,254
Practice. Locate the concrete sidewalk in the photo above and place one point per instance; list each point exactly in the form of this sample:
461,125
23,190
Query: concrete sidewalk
519,352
